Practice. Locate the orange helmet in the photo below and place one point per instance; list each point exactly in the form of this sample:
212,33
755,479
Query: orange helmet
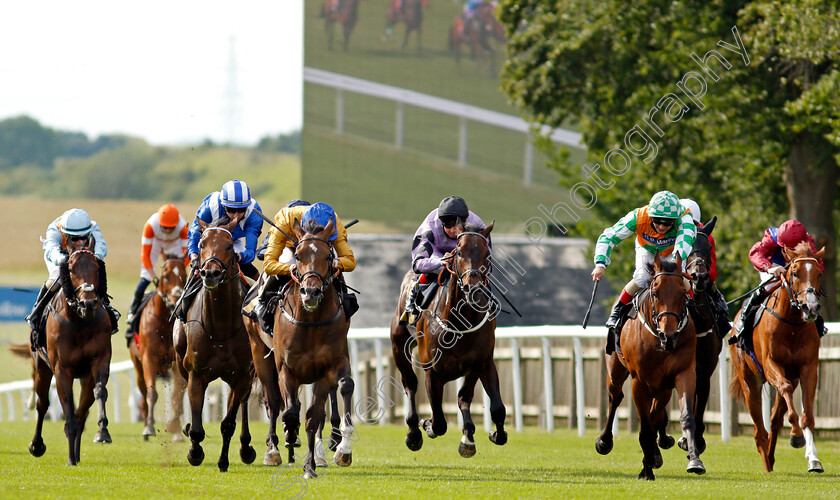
168,215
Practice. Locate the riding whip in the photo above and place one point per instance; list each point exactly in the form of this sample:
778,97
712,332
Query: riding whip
271,222
591,301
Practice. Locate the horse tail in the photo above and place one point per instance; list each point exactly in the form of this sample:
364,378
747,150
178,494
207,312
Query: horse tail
735,389
21,350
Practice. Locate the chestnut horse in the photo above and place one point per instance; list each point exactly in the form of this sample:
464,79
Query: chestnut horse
658,353
310,347
786,345
152,352
455,338
411,14
78,337
709,339
345,14
214,344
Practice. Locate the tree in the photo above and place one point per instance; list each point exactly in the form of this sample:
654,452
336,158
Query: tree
24,141
734,104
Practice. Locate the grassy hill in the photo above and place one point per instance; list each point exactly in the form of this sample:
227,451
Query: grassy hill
365,176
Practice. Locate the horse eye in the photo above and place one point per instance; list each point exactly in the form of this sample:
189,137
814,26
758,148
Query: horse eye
297,257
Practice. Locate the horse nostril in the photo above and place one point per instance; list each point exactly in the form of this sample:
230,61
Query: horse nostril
203,273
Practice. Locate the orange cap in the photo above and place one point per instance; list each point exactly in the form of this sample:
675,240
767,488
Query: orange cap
168,215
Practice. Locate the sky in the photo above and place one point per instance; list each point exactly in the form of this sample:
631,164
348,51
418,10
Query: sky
156,69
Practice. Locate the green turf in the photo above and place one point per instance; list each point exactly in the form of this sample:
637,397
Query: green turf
532,465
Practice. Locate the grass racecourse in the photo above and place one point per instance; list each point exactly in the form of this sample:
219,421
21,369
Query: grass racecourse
532,465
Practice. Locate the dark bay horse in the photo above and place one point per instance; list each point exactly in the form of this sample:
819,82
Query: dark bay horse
408,12
343,12
786,345
310,347
152,353
477,33
709,339
659,354
454,338
214,344
78,338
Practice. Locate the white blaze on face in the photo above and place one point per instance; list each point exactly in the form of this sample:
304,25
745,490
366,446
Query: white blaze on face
313,247
176,271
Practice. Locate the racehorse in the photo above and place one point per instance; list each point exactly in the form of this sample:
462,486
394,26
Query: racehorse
214,344
709,339
786,349
476,33
658,353
344,13
152,352
409,12
310,347
78,345
455,338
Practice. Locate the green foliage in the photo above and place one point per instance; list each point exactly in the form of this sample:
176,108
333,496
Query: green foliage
609,64
283,143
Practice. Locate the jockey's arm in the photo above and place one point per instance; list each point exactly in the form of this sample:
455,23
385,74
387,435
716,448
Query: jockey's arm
346,259
277,242
762,251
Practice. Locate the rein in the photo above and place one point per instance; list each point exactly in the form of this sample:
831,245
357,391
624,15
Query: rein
682,318
326,281
793,298
225,266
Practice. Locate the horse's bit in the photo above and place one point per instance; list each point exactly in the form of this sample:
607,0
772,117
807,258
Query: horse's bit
682,317
225,266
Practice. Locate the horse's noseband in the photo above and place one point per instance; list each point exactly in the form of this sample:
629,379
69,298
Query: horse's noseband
331,272
794,297
682,316
481,273
225,266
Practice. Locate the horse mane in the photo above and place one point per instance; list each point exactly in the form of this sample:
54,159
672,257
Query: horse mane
803,248
312,227
668,266
472,228
224,220
64,279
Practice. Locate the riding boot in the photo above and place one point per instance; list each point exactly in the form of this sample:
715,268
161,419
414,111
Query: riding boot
139,292
820,324
410,308
37,308
45,295
270,287
348,299
617,314
191,288
720,311
745,321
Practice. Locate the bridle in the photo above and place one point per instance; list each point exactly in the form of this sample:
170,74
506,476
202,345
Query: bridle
795,303
332,273
170,305
698,265
226,266
682,316
461,278
76,302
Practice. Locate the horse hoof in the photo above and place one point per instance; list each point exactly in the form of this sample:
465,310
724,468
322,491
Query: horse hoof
427,426
815,466
696,467
498,437
37,449
343,459
102,437
195,456
272,457
247,454
148,431
414,439
177,438
321,462
603,445
665,442
145,437
223,467
647,475
296,445
657,460
466,450
797,441
683,443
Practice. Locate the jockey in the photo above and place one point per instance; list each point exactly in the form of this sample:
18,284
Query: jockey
471,8
433,241
720,310
72,231
232,202
280,255
767,258
663,226
165,232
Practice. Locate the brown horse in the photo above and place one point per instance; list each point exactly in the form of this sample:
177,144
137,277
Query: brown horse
659,354
477,33
214,344
343,12
455,337
709,339
310,347
786,345
152,352
78,336
408,12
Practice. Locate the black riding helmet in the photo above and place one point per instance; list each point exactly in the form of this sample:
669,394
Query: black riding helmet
453,207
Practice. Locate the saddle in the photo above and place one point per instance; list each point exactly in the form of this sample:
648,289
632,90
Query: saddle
134,326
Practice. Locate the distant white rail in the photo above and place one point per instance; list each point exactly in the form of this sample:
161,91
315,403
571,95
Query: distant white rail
463,111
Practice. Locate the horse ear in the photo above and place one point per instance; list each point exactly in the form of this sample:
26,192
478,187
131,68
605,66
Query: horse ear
657,261
232,224
201,225
297,230
787,253
91,243
328,229
678,261
820,254
709,227
486,230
